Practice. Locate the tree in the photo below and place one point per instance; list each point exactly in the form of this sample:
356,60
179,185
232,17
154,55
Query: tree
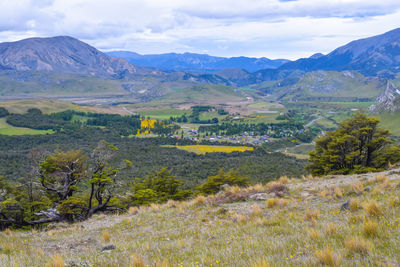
357,146
60,174
159,187
214,183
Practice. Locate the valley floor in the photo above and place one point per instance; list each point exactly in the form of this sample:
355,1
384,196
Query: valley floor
304,227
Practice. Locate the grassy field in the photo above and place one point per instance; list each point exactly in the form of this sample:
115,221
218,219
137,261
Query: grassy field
45,105
391,122
203,149
7,129
304,227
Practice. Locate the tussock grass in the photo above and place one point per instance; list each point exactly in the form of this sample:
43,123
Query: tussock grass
261,263
357,188
327,257
133,210
330,229
227,230
354,205
370,228
358,245
106,236
56,261
373,208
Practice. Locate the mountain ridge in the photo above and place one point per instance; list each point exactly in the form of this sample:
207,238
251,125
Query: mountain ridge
61,54
376,55
192,62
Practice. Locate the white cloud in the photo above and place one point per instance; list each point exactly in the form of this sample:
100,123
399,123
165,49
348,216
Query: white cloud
275,29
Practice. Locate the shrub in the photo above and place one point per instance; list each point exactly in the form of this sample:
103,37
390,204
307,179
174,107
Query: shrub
277,188
214,183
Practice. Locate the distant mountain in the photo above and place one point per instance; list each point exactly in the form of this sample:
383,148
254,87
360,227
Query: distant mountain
61,54
378,55
190,62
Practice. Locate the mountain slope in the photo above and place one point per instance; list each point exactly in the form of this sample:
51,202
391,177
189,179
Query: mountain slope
61,54
197,62
326,86
377,55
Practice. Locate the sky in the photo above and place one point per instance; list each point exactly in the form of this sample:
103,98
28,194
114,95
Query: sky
288,29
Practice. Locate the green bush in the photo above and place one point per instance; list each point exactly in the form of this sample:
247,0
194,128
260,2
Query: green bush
214,183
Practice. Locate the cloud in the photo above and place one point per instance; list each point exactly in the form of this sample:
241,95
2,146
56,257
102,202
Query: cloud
271,28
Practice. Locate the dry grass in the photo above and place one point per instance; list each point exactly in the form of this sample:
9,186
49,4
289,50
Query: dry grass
357,188
314,234
358,245
354,205
373,208
256,210
330,229
380,178
55,261
133,210
326,256
106,236
219,231
311,215
370,228
136,261
337,192
261,263
283,179
7,231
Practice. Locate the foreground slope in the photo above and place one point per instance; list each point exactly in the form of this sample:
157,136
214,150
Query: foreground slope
304,227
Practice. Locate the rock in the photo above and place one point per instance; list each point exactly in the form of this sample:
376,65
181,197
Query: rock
107,248
345,206
261,196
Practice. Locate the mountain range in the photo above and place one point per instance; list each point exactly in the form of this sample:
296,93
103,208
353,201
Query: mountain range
67,66
190,62
378,55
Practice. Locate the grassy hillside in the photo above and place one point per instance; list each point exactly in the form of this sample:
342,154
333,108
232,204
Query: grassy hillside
203,93
391,122
50,84
45,105
325,86
304,227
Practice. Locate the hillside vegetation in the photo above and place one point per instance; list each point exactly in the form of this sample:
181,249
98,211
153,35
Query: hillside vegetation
292,222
